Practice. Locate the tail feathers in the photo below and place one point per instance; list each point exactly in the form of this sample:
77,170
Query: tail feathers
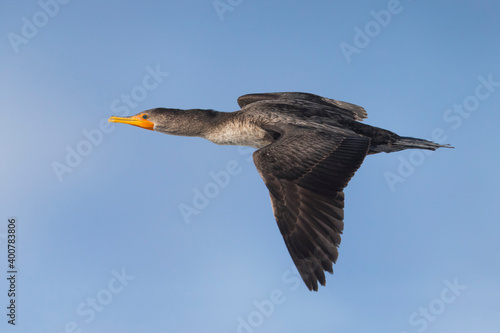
413,143
403,142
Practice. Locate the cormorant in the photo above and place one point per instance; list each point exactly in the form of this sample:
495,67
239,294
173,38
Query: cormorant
308,148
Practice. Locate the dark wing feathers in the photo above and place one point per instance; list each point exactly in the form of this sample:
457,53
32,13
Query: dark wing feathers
305,173
349,110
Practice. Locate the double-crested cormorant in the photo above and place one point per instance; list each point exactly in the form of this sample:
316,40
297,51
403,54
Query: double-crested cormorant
308,148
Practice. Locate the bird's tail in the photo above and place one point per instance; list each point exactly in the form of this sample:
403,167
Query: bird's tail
398,143
405,142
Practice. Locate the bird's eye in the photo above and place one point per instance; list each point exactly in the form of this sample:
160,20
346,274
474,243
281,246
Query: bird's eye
145,116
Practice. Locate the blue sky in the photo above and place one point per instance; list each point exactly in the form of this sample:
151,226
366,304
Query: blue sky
102,244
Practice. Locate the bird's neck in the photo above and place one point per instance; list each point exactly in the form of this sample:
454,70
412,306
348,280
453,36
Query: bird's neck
222,128
194,122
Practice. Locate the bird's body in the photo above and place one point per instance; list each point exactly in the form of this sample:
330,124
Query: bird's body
309,147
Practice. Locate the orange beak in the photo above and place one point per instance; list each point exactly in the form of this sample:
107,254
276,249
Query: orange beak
133,120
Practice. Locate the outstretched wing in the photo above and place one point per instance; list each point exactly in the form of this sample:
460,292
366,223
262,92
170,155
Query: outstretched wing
349,110
305,173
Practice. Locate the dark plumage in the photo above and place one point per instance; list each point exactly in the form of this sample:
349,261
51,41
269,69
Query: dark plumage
309,147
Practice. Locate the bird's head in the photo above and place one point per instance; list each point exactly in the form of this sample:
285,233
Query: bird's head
169,121
142,119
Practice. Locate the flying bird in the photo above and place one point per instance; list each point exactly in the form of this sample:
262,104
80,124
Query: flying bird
308,148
